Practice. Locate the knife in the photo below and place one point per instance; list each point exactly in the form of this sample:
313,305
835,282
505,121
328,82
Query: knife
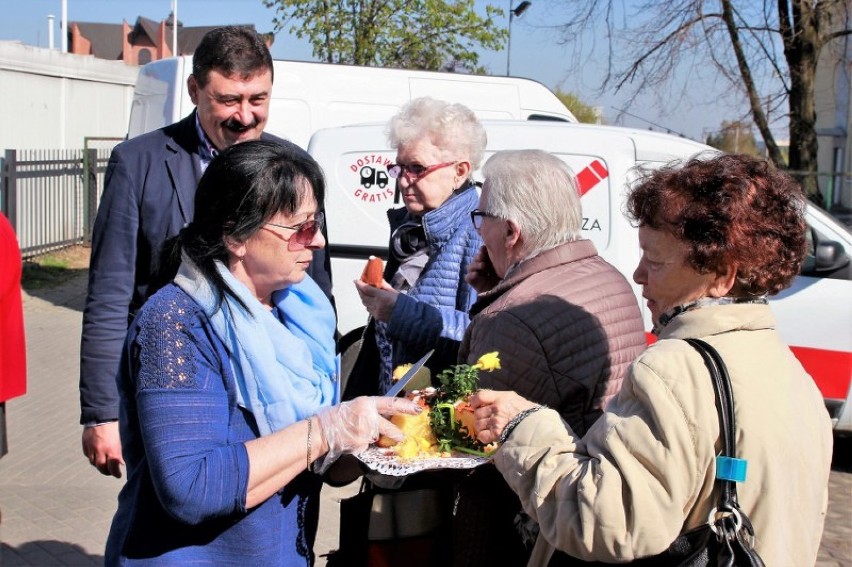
406,378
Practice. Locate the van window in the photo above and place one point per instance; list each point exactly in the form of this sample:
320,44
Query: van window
546,118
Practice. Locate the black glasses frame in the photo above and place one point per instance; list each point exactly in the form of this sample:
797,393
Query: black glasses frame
476,217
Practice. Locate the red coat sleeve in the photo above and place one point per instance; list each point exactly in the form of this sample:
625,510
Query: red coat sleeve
13,362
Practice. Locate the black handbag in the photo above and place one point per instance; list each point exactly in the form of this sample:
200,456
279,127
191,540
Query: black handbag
727,539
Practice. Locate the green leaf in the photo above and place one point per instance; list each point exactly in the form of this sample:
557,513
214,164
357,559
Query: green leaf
455,383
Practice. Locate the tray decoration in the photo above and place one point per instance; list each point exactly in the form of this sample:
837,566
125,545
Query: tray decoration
442,436
386,462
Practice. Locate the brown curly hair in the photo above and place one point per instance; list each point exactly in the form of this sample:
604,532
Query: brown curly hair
730,209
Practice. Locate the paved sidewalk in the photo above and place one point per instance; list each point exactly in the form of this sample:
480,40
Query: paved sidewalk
56,509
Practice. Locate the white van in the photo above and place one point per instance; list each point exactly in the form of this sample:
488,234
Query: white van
814,315
310,96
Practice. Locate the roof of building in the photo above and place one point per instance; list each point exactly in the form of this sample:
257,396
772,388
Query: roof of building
106,39
107,42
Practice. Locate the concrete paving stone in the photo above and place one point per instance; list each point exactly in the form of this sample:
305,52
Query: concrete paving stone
36,516
9,557
73,559
33,554
14,534
59,514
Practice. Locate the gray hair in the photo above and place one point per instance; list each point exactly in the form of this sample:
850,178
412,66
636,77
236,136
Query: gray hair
538,191
453,128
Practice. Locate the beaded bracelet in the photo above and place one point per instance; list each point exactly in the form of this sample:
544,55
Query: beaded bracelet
310,426
515,421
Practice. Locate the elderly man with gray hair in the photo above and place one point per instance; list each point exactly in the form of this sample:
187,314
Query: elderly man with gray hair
565,322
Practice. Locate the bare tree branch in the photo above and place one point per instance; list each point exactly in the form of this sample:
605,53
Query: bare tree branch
768,50
748,80
662,45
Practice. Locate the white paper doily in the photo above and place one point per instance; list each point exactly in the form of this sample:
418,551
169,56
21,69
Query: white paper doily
385,461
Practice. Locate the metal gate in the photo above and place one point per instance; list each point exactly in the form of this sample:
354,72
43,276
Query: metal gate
51,196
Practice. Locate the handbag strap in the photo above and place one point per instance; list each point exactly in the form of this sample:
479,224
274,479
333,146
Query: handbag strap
733,525
727,425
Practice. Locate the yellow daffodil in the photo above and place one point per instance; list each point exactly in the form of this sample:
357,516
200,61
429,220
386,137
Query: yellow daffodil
488,362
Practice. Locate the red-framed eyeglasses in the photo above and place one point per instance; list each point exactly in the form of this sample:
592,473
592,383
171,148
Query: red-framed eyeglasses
305,231
415,171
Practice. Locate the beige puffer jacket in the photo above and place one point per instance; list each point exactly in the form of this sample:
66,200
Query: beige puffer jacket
645,471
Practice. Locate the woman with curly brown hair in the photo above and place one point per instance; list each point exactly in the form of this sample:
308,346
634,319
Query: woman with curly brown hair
717,236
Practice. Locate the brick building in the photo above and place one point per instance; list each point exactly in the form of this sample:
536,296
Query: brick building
141,43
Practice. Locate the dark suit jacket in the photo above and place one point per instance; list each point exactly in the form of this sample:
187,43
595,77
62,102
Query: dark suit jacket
148,198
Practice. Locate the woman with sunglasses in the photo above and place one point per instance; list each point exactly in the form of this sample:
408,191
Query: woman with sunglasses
228,377
424,300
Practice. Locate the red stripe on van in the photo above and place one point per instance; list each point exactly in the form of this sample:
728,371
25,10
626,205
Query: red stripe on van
590,176
830,369
599,168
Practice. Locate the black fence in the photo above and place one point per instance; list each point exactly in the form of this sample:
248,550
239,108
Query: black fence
51,196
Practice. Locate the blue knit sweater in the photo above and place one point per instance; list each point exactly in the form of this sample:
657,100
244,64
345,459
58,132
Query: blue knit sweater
183,438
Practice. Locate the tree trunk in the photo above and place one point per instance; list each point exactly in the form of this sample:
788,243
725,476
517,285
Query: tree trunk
803,139
757,112
800,34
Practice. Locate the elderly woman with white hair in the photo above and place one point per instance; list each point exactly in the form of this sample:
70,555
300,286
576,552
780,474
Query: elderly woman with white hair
565,322
423,302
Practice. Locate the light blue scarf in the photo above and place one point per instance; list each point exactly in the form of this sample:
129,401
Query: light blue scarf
284,372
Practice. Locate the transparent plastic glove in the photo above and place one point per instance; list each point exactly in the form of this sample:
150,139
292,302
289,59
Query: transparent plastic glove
351,426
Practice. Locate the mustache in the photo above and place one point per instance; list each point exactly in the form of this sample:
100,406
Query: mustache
235,125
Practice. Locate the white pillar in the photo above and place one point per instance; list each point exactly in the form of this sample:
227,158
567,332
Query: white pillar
63,27
50,31
174,28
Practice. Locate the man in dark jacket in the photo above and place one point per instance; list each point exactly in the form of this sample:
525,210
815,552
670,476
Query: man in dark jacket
148,199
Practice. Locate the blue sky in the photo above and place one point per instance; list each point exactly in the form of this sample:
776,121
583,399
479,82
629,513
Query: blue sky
536,53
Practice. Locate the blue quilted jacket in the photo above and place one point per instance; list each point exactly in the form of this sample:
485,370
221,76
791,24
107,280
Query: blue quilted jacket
434,313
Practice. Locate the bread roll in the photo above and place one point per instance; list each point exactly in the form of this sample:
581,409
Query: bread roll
373,272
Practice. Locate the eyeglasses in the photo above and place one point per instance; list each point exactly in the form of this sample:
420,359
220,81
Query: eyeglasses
415,171
476,217
305,231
